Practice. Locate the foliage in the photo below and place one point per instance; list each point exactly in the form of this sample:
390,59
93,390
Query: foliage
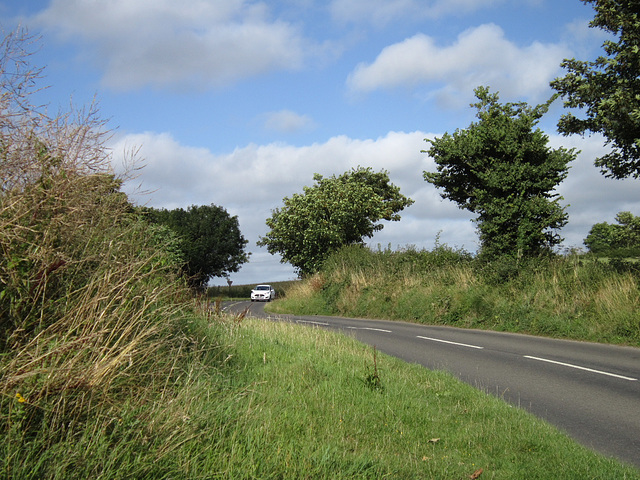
89,303
503,170
334,212
615,240
608,88
209,239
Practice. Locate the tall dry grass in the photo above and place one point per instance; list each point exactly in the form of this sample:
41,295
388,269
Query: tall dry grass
570,297
91,312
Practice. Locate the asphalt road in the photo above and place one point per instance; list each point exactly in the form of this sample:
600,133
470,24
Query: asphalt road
590,391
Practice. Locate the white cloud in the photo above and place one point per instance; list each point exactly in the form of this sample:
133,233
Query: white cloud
250,181
586,41
479,56
592,197
286,121
166,43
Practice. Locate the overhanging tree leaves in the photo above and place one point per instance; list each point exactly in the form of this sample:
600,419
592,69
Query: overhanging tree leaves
608,88
334,212
502,169
210,240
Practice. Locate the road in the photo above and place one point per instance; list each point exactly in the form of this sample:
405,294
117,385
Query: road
590,391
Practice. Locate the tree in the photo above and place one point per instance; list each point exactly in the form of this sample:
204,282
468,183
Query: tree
210,240
621,239
608,88
502,169
334,212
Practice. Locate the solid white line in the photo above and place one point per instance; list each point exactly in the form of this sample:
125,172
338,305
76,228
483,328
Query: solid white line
452,343
372,329
582,368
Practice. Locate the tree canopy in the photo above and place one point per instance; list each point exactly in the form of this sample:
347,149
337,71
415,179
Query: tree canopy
621,239
209,239
501,168
608,88
334,212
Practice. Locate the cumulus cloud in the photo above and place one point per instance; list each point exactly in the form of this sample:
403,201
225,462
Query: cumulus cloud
251,181
286,121
164,43
260,174
591,197
479,56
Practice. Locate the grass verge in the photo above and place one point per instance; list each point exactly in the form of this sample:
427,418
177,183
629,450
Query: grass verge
306,403
250,399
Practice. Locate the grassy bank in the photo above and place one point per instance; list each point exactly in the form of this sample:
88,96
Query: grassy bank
313,404
566,297
258,400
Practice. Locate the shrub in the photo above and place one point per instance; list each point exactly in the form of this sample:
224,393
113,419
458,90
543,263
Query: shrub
88,295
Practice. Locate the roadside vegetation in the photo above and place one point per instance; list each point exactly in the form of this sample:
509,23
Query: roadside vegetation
99,338
301,402
111,367
574,296
335,211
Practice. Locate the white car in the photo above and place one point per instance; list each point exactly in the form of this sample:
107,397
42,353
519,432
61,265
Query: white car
263,293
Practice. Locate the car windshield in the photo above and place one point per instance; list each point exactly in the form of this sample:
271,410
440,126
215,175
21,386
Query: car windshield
262,287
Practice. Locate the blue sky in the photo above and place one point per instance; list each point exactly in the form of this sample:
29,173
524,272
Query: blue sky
238,103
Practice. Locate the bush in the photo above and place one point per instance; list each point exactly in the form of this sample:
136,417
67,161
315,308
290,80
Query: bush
90,307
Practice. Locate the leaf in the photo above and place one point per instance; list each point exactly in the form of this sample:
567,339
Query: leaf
475,475
434,440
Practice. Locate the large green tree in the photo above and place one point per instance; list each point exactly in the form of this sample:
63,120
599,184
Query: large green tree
209,238
617,239
608,89
334,212
502,169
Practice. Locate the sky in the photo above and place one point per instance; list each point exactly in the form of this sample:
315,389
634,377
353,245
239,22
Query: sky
238,103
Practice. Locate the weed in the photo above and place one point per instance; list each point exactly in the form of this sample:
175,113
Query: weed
372,376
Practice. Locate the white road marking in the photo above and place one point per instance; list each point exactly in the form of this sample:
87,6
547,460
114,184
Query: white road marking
313,323
224,309
451,343
372,329
582,368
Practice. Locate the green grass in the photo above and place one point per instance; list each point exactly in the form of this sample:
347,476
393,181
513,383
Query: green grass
251,399
307,407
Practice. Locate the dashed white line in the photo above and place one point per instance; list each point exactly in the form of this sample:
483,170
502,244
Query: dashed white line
451,343
582,368
631,379
369,328
313,323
